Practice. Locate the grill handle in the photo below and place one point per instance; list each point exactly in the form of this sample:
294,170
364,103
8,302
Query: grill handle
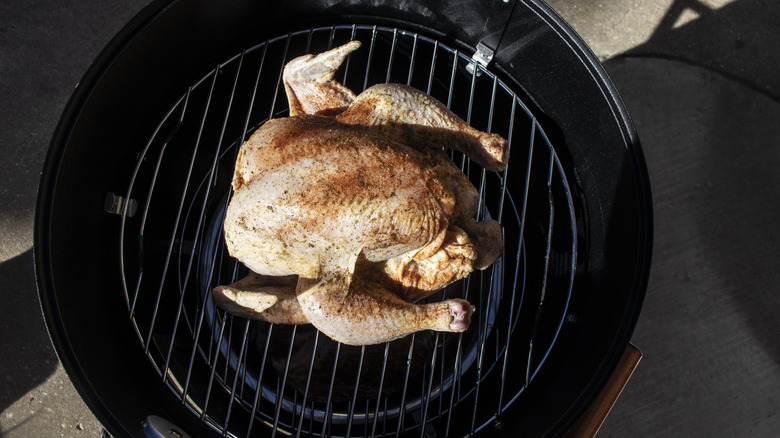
590,422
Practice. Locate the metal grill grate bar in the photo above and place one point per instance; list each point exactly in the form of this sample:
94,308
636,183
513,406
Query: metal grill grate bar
433,65
209,184
483,329
355,390
405,385
213,368
258,390
392,56
308,382
370,58
280,391
178,217
379,391
235,377
272,107
427,398
327,417
145,211
456,365
411,62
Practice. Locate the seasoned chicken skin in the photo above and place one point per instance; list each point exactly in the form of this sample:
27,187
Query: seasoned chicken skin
348,213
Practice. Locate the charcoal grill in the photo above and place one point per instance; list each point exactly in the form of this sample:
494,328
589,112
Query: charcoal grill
138,178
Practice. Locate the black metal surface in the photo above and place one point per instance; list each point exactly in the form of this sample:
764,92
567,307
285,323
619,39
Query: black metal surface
130,89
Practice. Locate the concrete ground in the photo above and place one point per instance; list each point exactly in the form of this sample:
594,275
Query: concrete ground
700,79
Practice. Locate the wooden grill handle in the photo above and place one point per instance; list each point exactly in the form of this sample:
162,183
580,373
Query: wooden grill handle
590,422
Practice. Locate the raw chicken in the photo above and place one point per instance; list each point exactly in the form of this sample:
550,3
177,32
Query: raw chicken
347,212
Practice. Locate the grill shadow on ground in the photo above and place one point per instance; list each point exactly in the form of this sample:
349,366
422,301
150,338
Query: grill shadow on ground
28,357
706,110
738,40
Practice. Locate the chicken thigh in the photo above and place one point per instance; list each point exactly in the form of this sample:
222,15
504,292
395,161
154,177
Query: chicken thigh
348,213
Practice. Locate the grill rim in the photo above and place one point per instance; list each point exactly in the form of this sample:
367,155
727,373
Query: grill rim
119,46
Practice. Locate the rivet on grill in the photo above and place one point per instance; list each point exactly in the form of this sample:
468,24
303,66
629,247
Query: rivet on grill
115,204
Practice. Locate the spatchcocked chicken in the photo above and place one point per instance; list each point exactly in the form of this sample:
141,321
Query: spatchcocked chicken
347,213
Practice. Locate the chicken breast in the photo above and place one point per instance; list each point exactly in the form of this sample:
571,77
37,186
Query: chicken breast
353,203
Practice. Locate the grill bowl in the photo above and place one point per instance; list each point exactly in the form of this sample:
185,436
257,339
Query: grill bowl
566,301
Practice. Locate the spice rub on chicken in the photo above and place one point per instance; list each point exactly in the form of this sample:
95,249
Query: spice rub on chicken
347,212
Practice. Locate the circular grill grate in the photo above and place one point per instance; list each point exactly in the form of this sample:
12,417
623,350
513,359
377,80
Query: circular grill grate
246,378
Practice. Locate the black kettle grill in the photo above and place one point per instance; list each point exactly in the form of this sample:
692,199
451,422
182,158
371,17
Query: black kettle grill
128,231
